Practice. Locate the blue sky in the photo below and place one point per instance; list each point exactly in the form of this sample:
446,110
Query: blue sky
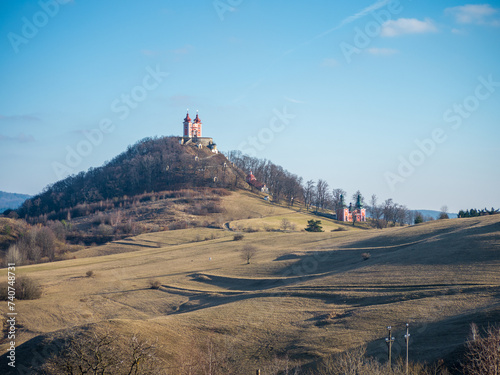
394,98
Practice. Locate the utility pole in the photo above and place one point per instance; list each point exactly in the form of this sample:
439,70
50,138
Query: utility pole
407,339
389,340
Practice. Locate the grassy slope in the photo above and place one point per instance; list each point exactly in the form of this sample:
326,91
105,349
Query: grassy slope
305,293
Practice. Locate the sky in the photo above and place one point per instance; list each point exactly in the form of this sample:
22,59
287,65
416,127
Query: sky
394,98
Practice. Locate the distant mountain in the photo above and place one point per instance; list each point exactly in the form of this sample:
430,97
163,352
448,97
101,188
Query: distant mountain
435,214
11,200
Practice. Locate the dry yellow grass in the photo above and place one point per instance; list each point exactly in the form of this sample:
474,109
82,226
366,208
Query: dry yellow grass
307,294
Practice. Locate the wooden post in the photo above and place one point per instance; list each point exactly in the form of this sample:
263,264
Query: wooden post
258,372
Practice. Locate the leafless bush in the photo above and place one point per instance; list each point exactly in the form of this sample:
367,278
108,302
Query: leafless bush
250,230
15,255
280,365
36,243
89,273
154,284
483,355
238,237
102,351
45,239
105,230
339,229
355,362
208,355
287,225
127,227
25,288
350,362
58,229
177,225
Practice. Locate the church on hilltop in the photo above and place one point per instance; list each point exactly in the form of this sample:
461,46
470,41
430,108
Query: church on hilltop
192,134
345,213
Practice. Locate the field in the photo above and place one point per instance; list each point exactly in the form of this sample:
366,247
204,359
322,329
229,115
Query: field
303,294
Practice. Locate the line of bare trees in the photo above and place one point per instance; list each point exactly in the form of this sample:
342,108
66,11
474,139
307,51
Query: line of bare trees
282,184
317,195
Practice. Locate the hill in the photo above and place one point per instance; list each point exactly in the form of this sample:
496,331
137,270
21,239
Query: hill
11,200
151,165
304,295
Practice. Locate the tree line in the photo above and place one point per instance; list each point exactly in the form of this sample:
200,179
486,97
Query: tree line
317,195
475,212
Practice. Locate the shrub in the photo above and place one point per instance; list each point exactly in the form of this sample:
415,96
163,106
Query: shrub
366,256
314,226
89,273
287,225
26,288
339,229
105,230
238,237
154,284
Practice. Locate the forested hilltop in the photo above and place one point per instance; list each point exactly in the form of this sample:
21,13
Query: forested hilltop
150,165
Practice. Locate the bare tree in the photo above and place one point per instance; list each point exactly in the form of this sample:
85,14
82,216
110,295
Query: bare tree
248,252
375,210
400,214
444,213
287,225
483,355
46,240
308,192
355,198
101,351
14,255
388,211
321,194
336,200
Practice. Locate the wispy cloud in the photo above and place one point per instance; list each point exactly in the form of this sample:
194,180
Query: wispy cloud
329,63
364,12
21,138
292,100
150,52
378,4
402,26
478,14
382,51
354,17
183,50
19,118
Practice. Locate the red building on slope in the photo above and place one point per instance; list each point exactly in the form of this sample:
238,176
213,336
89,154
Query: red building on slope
348,214
252,181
